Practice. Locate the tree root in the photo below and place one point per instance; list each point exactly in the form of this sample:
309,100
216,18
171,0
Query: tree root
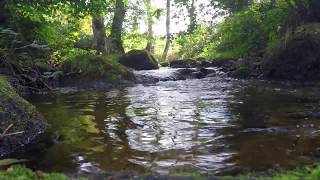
26,77
6,134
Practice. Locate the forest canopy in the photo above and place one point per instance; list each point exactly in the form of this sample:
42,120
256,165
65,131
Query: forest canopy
195,28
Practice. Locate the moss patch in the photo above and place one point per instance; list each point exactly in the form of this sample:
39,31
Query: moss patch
19,172
21,114
93,67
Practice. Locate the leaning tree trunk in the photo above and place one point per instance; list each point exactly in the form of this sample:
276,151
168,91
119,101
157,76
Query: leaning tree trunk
149,47
99,34
114,44
166,49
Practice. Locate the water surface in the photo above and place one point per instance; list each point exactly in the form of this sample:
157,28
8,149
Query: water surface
214,125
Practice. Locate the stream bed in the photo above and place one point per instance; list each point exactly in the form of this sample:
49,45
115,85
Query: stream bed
214,125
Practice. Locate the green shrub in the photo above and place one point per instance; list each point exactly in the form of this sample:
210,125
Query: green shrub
195,45
246,33
250,31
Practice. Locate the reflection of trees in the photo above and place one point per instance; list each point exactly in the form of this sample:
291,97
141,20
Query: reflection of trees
270,145
78,126
154,126
110,114
71,128
254,105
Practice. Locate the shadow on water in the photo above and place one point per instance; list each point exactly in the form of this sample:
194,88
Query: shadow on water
276,126
213,125
86,134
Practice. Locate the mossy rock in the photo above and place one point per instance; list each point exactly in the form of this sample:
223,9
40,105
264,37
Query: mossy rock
94,67
22,115
139,60
297,58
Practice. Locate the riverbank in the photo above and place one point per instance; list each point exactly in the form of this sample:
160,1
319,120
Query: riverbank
294,58
20,172
248,68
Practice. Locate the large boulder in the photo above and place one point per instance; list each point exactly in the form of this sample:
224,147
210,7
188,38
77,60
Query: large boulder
297,57
90,69
139,60
18,116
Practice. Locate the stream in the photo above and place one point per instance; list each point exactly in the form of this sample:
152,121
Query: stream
214,125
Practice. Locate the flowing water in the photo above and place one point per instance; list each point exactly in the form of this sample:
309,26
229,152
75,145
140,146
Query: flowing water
213,125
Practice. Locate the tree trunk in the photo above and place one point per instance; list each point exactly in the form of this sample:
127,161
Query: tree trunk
3,14
149,47
192,17
114,44
99,34
166,49
135,24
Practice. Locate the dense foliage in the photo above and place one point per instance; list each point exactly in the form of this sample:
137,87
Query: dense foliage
245,27
244,33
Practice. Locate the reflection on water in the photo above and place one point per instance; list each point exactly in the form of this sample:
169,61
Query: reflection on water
212,125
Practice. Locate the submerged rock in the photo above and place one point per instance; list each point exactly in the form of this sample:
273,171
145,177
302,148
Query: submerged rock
183,74
226,65
139,60
92,70
298,57
188,63
21,116
194,73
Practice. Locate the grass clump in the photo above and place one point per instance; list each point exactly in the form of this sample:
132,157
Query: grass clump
299,174
22,173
